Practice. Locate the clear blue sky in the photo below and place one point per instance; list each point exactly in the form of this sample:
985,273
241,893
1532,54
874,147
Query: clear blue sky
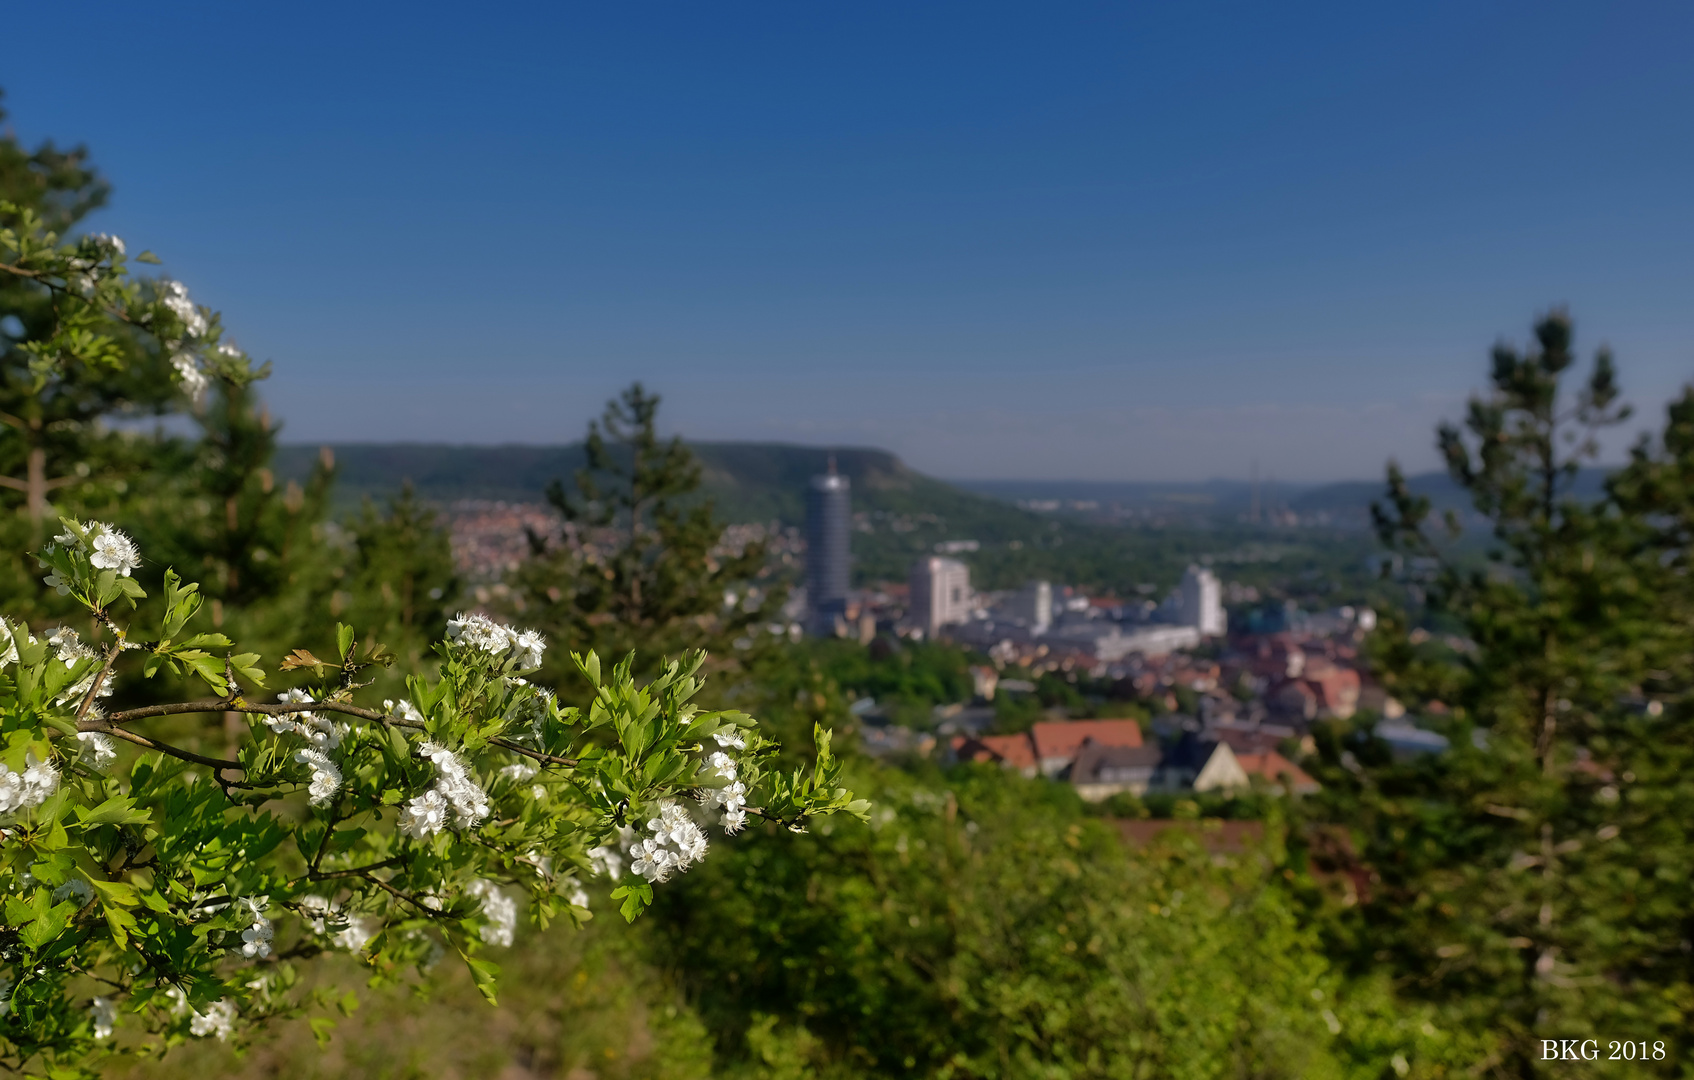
1130,241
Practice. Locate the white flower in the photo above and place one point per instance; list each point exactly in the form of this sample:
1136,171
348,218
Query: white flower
113,550
218,1019
500,910
105,1017
733,820
424,816
175,297
229,349
731,737
68,647
317,910
404,709
321,732
527,648
326,777
722,764
32,787
60,586
606,862
481,632
193,379
360,930
578,896
98,751
256,939
519,771
74,888
651,860
116,246
454,788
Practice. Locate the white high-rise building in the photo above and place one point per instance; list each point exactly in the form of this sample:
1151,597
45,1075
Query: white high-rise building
941,594
1200,603
1032,605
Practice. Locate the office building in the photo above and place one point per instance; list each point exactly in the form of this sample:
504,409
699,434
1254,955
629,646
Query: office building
1200,603
941,594
829,525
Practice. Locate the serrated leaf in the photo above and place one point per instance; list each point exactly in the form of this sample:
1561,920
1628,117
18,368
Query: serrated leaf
344,640
301,658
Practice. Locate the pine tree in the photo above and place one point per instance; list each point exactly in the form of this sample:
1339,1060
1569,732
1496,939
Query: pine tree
1506,891
402,580
641,561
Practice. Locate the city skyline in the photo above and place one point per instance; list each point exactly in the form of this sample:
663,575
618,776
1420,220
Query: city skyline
1101,244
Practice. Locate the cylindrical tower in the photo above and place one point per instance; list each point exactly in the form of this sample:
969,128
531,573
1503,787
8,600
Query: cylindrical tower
829,525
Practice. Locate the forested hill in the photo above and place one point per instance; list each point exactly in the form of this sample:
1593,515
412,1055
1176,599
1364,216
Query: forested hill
908,513
747,481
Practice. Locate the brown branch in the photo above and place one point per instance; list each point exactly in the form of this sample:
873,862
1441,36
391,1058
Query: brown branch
164,748
14,484
100,678
237,704
356,871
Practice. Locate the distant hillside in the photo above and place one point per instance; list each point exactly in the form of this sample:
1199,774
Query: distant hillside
747,481
900,514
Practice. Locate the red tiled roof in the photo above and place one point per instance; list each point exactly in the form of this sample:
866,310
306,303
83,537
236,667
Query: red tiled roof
1062,739
1273,767
1014,750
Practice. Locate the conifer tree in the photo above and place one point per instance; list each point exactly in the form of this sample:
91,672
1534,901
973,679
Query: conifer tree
56,448
1506,890
645,564
402,579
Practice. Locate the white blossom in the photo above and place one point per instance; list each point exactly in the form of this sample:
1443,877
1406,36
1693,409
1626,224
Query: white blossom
578,896
404,709
677,843
455,788
98,751
105,1017
731,737
722,765
320,731
500,910
68,646
112,550
193,379
107,242
58,585
519,771
30,788
326,777
360,930
316,910
480,632
174,295
256,939
424,816
606,862
218,1019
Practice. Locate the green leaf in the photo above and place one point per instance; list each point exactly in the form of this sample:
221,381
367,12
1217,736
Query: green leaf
344,640
485,974
322,1028
636,896
117,810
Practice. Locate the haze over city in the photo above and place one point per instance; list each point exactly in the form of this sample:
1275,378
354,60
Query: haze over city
1111,244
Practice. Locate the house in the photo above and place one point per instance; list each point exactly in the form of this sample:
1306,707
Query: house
1278,771
1101,771
1008,751
1200,763
1056,743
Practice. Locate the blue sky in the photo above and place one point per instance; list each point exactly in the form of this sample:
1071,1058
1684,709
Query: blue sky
1128,242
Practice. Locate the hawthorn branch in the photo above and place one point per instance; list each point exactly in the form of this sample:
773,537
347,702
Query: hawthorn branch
235,703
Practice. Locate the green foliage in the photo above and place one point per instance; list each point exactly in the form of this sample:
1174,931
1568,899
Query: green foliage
1523,877
983,926
645,566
